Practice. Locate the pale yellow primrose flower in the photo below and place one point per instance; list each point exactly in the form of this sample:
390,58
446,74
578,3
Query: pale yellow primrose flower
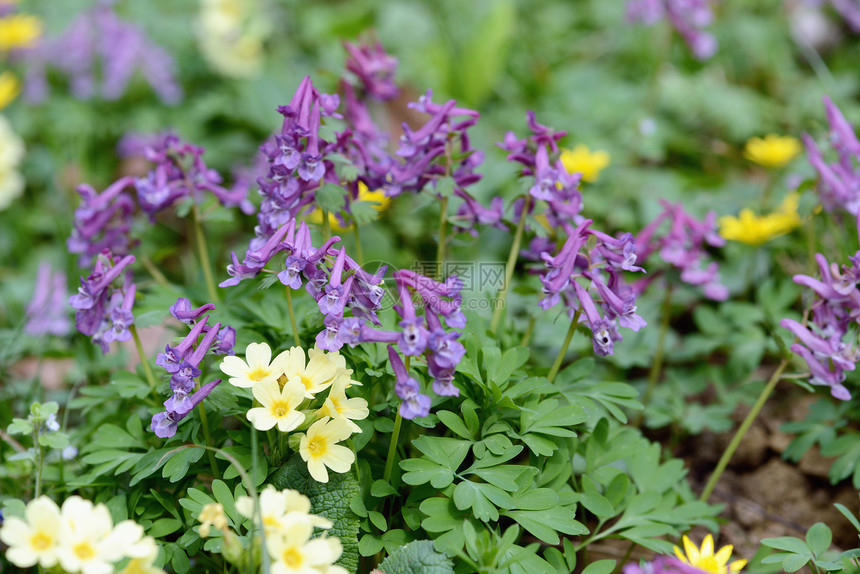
581,160
773,151
143,563
231,35
319,448
19,31
315,376
10,87
278,405
11,154
257,369
293,551
705,559
755,229
339,362
211,515
89,543
279,509
338,406
36,540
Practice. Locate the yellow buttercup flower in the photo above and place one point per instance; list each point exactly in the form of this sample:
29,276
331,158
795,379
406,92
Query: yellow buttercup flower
754,229
581,160
19,31
704,558
10,87
773,151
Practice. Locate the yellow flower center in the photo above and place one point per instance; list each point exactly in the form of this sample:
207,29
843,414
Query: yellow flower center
41,541
84,551
317,447
280,409
307,382
270,522
258,374
709,564
292,557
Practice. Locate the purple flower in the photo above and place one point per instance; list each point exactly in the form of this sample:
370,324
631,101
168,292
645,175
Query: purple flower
46,311
182,311
413,403
164,424
97,300
688,17
838,182
374,68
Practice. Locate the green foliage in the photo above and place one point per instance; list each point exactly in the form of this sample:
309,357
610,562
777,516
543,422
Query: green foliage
417,557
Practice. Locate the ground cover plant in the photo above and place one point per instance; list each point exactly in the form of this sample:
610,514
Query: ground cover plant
397,287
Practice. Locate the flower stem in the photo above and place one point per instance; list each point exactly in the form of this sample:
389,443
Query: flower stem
204,423
293,317
509,267
203,252
147,369
326,226
559,359
359,253
395,435
154,271
657,363
528,334
40,459
742,431
440,249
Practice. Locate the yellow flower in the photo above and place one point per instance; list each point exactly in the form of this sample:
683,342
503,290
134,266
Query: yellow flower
142,561
278,405
705,559
338,406
293,551
231,35
211,515
10,87
773,151
36,539
257,369
755,229
279,509
582,160
319,448
315,218
19,31
317,375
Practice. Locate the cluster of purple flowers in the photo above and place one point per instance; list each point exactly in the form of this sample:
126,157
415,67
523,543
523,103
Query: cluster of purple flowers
600,269
551,184
103,307
835,317
688,17
839,182
104,220
423,335
98,41
683,247
182,362
46,312
374,68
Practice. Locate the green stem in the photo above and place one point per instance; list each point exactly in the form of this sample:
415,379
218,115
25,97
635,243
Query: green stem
40,459
742,431
395,435
527,337
154,271
359,253
657,363
203,252
559,359
509,267
204,422
147,368
440,249
768,190
293,317
626,558
326,226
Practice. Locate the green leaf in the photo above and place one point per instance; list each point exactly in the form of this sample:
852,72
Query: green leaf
445,186
20,426
381,489
789,544
363,212
455,423
369,545
330,500
163,527
378,520
330,197
818,538
178,465
57,440
600,567
418,557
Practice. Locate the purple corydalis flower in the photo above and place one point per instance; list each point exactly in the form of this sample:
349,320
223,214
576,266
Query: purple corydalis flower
93,296
375,69
182,311
662,565
413,403
413,338
171,358
688,17
120,316
46,311
839,182
603,332
164,424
